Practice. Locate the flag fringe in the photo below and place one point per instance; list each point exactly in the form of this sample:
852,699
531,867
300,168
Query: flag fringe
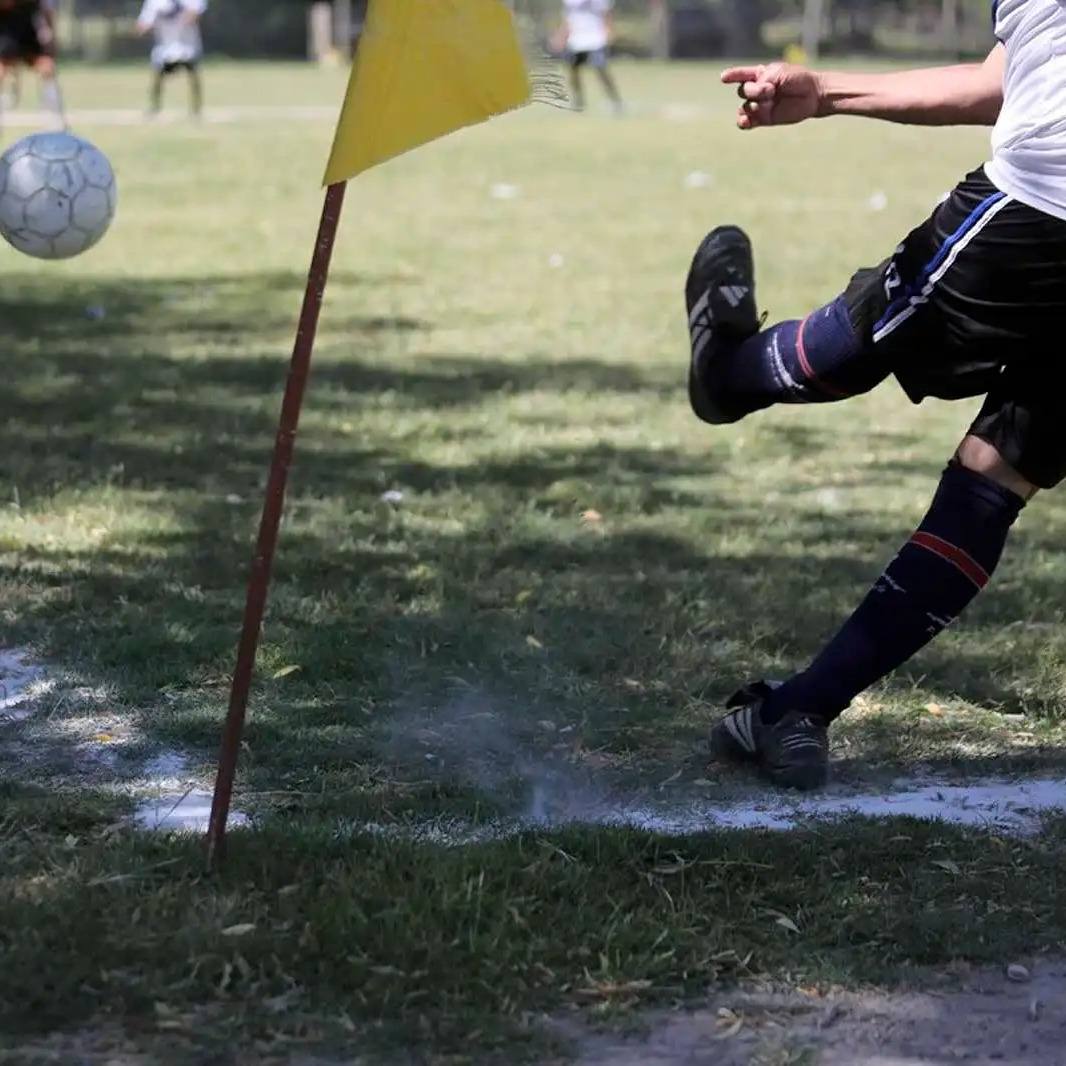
546,83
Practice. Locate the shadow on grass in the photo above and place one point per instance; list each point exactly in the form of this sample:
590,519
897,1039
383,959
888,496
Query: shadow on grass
304,929
148,425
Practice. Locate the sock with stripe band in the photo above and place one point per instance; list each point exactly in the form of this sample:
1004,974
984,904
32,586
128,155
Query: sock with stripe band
932,580
817,360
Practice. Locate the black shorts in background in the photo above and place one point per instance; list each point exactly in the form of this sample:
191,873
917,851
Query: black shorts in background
19,38
182,64
974,302
21,48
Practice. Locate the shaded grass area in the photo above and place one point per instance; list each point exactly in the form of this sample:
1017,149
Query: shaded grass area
608,582
307,939
575,578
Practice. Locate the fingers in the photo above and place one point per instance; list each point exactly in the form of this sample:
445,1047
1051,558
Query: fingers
753,115
739,75
758,90
746,120
752,82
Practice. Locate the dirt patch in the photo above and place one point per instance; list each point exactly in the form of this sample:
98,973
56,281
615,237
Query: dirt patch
988,1021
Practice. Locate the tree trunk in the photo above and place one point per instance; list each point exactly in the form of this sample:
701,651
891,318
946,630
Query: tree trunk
813,21
342,27
949,26
743,24
320,32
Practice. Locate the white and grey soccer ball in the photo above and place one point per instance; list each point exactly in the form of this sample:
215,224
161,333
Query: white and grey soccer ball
57,195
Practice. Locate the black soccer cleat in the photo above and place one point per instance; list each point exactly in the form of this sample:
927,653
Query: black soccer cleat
792,753
720,297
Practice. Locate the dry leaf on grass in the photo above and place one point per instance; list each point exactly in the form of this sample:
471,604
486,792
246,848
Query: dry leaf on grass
242,929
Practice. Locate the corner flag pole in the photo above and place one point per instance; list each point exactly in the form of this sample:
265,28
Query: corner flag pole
262,564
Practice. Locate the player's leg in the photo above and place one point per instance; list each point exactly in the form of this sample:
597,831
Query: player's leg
926,587
577,91
978,313
51,93
160,73
196,90
735,370
10,88
5,72
602,68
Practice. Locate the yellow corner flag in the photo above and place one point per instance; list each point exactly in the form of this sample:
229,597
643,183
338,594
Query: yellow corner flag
426,68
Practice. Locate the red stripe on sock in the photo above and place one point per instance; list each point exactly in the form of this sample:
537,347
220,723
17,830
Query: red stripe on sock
961,560
808,370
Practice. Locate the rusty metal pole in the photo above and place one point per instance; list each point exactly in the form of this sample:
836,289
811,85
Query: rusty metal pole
262,564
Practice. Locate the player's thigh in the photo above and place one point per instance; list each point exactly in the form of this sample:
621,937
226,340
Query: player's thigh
977,454
1024,419
898,314
974,292
43,65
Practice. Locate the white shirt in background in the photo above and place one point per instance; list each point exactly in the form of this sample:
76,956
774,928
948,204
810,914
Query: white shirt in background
1029,142
586,24
176,40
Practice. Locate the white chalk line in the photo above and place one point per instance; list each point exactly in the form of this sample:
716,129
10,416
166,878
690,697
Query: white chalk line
1009,807
217,116
21,682
238,113
169,797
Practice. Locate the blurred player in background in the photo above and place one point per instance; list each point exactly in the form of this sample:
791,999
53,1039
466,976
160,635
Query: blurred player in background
27,38
178,46
586,36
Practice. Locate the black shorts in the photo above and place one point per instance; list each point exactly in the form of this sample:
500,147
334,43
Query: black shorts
974,302
182,64
597,58
21,47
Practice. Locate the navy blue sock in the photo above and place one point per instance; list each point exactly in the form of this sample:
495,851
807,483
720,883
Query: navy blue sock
925,588
818,360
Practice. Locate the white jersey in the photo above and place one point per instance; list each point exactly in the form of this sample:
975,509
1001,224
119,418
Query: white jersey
177,40
1029,142
586,24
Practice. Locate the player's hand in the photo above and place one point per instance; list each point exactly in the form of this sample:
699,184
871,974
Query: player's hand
778,94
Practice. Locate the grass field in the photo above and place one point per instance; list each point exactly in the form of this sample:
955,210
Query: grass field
577,575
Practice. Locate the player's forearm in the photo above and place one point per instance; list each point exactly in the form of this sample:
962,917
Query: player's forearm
969,94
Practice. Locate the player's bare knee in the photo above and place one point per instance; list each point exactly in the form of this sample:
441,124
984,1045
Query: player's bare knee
978,455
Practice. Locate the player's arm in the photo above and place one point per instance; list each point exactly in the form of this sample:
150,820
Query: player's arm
194,11
146,19
560,36
781,94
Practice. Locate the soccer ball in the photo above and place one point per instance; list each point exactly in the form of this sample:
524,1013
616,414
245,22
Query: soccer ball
57,195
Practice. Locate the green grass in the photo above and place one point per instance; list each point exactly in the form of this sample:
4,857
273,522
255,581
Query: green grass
505,397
